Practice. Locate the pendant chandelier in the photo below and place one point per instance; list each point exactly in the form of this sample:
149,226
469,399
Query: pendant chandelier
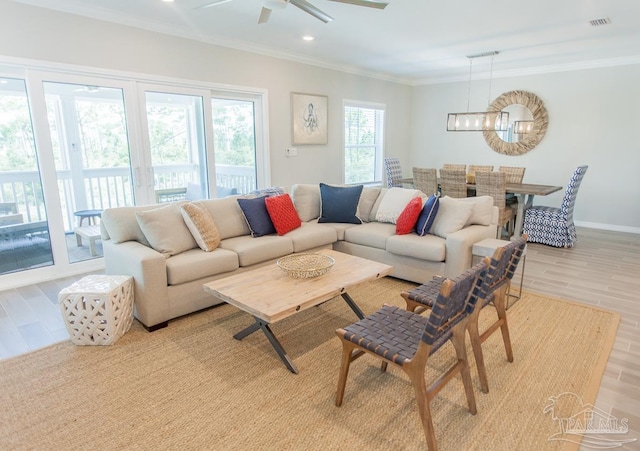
482,120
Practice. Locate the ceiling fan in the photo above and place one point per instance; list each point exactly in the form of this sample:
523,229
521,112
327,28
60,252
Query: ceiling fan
304,5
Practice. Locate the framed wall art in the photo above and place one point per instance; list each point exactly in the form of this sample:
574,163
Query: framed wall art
309,118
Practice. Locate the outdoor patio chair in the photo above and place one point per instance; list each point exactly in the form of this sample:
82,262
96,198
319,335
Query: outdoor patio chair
502,267
554,226
406,339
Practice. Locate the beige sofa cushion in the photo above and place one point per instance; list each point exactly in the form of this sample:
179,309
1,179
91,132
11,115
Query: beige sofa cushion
228,216
257,250
195,264
482,209
165,230
121,224
312,235
428,247
367,201
394,202
452,216
306,198
372,234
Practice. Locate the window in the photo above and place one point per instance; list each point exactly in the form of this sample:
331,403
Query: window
363,142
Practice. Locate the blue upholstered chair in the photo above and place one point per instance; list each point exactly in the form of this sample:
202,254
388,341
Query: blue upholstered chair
551,225
502,267
407,339
393,171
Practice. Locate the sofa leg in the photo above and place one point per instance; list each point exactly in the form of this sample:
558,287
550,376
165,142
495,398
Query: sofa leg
156,326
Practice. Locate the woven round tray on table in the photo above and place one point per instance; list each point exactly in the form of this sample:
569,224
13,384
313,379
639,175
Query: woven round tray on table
304,265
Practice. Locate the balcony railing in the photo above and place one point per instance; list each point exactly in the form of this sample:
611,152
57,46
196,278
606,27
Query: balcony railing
106,188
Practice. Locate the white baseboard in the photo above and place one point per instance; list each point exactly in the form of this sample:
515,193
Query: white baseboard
612,227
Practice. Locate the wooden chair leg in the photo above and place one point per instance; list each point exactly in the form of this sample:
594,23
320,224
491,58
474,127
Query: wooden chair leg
347,350
416,375
476,346
458,341
500,301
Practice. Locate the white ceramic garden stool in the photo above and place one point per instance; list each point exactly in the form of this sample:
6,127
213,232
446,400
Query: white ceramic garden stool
486,248
97,309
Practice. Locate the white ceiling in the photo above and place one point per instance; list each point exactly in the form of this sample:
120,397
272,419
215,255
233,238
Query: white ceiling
411,41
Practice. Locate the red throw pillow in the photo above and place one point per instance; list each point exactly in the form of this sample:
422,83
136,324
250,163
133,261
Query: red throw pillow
282,213
407,220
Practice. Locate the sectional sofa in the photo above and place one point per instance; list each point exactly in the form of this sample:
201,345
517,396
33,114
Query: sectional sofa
155,246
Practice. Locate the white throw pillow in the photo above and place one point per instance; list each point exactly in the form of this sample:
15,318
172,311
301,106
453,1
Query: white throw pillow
394,202
165,230
452,216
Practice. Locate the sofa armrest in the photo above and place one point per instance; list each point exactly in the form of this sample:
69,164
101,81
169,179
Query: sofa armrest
149,271
459,247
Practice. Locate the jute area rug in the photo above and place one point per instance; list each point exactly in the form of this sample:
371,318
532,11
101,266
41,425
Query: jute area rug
192,386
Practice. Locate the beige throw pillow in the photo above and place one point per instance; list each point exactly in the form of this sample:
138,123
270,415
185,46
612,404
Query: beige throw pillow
201,225
452,216
165,230
393,203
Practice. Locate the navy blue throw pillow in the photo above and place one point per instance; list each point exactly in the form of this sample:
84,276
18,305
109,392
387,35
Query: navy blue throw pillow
340,203
257,217
427,215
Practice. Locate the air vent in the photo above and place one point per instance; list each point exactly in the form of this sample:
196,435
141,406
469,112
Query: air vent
600,22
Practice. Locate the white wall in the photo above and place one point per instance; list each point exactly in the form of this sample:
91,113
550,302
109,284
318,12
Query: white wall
592,114
45,35
593,120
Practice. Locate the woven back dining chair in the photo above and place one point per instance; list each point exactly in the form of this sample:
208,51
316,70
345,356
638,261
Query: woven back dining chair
393,171
426,180
405,339
473,168
453,183
502,267
551,225
512,174
493,184
457,167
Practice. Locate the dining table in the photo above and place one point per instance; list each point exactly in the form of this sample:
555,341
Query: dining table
523,192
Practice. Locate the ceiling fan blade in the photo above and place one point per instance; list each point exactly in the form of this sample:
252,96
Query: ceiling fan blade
367,3
264,15
210,4
309,8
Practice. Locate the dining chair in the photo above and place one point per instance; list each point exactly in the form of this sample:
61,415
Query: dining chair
551,225
473,168
458,167
406,339
453,182
512,174
493,184
502,267
393,171
426,180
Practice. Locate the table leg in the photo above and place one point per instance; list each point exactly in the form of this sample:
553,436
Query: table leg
353,305
261,324
524,201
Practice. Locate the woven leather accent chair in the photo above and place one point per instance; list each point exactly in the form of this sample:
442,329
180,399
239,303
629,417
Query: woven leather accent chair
393,171
426,180
406,339
453,183
493,184
554,226
502,267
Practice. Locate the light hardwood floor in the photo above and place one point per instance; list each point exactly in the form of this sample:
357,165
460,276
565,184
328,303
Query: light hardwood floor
603,269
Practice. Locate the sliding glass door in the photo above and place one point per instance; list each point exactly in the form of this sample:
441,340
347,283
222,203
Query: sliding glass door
24,231
88,129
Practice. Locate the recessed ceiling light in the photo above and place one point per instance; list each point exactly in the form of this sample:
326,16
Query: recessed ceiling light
308,38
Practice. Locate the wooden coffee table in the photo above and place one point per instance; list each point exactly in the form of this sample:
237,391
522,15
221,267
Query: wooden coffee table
269,294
